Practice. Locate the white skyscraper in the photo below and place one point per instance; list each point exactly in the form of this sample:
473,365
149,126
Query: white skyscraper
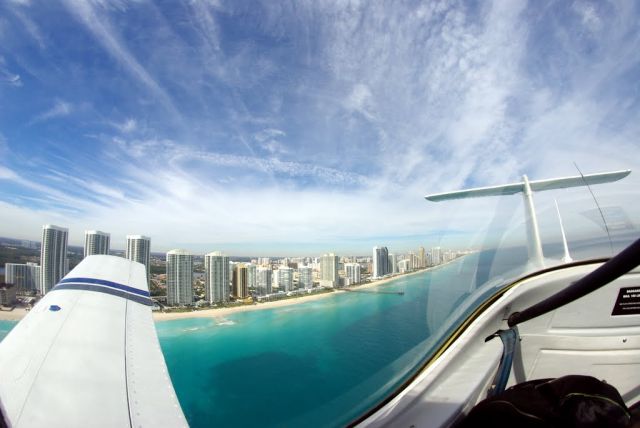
263,280
285,278
251,276
96,242
329,270
393,263
25,277
305,277
217,277
352,271
380,262
435,256
53,256
139,250
179,278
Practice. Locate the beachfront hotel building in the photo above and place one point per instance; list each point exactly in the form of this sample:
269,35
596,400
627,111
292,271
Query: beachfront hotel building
393,263
404,266
263,280
251,276
240,286
53,256
284,278
380,262
179,278
435,256
139,250
422,258
96,242
329,270
25,276
305,277
352,271
217,277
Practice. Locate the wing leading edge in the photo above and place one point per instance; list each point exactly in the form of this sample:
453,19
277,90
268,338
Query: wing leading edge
536,186
88,354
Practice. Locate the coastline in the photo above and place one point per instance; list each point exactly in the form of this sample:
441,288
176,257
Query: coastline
13,315
223,312
18,313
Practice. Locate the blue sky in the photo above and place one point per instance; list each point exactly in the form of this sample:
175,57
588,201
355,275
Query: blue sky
302,127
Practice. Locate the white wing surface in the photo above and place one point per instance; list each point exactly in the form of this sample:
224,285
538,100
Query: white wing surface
536,186
88,355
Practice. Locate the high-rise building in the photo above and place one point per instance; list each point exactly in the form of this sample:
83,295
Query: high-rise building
329,270
305,277
240,287
179,278
403,266
380,262
422,258
53,256
251,276
96,242
263,280
25,277
436,256
413,260
393,263
217,277
352,271
139,250
285,278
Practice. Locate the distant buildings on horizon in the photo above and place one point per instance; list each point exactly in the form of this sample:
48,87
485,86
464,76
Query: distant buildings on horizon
224,280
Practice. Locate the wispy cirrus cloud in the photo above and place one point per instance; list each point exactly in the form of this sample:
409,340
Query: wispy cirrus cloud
99,25
324,120
59,109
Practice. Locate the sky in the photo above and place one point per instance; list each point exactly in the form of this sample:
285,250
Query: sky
301,127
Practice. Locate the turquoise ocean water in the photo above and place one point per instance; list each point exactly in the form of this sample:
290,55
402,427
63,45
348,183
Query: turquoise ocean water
320,363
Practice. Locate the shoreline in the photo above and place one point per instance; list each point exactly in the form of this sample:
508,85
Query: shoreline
18,313
13,315
223,312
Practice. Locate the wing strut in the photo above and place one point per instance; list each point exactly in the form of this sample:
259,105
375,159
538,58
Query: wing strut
527,188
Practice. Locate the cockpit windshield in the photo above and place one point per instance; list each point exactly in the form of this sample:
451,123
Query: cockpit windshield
267,163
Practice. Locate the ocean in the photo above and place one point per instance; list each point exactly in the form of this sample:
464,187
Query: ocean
321,363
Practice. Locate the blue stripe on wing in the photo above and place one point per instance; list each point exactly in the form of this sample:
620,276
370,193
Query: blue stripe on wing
107,284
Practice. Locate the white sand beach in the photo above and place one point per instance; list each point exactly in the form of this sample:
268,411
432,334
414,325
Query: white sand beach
13,315
222,312
19,313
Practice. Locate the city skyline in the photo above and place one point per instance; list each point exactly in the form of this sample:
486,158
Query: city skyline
281,130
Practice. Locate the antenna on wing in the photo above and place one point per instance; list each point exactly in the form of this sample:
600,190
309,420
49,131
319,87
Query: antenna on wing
566,258
527,188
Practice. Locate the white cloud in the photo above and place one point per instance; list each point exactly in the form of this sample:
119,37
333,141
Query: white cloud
129,125
7,76
98,24
448,100
361,100
268,141
59,109
7,174
589,16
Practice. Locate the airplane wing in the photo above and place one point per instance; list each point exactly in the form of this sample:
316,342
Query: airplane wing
87,354
536,186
